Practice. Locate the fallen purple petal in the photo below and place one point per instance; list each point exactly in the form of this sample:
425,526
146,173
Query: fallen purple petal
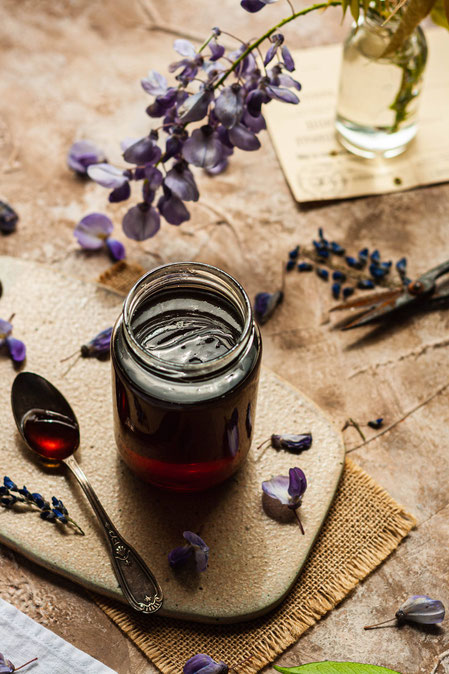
277,488
16,348
204,664
92,231
180,556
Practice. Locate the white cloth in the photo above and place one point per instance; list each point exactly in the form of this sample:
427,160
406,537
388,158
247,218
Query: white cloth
22,639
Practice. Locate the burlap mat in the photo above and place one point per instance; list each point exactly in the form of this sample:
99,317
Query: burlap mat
363,527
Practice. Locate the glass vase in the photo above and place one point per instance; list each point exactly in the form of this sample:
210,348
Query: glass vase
378,95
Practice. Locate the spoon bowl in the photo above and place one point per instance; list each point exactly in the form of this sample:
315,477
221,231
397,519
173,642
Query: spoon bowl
50,429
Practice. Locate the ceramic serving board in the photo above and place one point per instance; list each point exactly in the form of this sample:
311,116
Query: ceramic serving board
256,553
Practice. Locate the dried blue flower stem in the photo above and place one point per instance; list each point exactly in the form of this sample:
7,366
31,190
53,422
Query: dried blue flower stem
11,495
351,422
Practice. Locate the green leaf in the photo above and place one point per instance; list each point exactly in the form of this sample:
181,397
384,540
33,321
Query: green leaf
440,13
414,12
335,668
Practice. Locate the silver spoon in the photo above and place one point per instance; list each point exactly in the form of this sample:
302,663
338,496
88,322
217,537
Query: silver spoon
50,428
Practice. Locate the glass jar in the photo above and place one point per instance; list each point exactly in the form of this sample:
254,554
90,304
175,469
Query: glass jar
378,95
186,357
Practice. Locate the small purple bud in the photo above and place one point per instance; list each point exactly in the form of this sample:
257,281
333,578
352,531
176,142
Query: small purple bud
287,58
217,50
116,249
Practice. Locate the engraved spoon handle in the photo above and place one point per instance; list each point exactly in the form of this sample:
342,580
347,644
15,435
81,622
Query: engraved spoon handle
137,582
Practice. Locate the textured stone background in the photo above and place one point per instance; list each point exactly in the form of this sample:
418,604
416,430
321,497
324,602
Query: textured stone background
71,68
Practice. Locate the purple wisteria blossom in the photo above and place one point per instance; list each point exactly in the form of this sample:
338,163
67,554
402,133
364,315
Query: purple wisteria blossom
419,609
204,664
94,231
223,93
82,154
16,349
288,490
195,548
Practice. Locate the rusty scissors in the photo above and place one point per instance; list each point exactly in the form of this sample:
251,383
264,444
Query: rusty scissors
422,293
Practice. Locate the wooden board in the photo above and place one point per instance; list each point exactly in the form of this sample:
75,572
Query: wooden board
254,558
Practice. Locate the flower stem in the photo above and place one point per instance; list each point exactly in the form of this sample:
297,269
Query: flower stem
26,663
256,43
299,522
204,45
372,627
69,519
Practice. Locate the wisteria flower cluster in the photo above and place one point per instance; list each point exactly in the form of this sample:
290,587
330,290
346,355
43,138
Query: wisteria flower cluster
11,495
227,113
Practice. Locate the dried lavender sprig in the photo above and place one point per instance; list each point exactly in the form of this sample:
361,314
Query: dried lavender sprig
58,513
350,272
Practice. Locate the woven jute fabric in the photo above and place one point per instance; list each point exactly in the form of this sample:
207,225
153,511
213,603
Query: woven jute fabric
121,276
363,526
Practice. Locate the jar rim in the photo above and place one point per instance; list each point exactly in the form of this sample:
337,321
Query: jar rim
178,271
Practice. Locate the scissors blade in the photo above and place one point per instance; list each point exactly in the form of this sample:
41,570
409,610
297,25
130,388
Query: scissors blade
372,299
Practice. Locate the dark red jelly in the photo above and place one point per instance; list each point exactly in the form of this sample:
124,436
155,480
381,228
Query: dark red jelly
186,359
50,434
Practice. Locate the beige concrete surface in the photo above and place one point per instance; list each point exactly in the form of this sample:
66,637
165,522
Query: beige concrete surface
71,69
